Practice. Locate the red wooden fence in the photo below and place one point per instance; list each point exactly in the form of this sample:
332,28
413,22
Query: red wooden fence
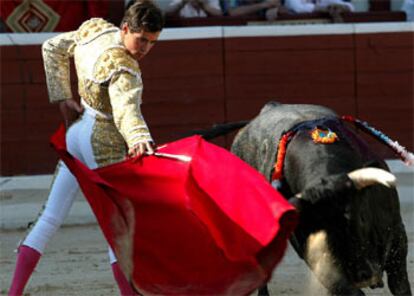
193,83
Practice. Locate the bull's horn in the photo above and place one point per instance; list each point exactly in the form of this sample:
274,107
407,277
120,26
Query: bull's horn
298,195
369,176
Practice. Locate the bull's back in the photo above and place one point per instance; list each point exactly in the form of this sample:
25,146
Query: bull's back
257,142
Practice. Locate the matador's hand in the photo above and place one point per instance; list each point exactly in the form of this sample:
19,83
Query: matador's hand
70,110
140,149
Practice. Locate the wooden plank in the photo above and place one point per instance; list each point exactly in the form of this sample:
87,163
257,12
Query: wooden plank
388,114
246,109
183,58
384,40
385,151
184,89
289,62
373,16
13,158
42,123
393,117
188,46
182,65
34,71
175,132
43,158
210,21
8,53
12,125
37,99
287,43
298,87
388,60
12,72
187,113
12,97
386,85
379,5
30,52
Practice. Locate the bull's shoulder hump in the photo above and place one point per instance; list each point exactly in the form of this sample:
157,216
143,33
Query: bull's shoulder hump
298,109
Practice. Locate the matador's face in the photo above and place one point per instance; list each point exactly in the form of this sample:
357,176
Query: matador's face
139,43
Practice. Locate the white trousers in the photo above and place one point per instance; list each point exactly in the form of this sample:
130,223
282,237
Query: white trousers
65,187
306,6
325,3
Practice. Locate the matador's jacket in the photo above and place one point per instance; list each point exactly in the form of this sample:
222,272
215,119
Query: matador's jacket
109,84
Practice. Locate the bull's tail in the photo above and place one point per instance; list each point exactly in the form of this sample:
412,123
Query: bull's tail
218,130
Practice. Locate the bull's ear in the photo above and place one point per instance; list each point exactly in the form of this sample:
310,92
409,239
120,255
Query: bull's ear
373,164
297,202
334,189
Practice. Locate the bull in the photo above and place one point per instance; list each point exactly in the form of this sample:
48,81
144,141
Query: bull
350,230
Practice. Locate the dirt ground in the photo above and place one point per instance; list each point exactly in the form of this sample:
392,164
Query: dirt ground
76,261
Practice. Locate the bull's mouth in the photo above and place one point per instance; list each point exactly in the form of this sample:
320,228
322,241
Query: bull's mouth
374,282
330,270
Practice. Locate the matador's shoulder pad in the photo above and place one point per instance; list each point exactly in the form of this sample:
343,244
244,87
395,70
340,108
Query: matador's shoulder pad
93,28
114,60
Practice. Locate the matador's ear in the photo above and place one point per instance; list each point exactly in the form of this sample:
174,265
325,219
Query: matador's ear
125,28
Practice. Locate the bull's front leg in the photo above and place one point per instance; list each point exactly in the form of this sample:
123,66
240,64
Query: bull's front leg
263,291
347,289
396,266
325,266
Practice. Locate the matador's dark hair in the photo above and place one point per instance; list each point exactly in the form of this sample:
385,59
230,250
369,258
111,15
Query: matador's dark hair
143,15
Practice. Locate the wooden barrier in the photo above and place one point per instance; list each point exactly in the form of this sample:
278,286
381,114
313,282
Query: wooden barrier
196,77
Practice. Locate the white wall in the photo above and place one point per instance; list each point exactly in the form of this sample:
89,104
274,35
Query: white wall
161,3
396,4
361,5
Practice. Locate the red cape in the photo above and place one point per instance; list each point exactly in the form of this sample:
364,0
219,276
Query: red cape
209,226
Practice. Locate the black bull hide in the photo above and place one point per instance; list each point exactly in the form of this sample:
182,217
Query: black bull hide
348,237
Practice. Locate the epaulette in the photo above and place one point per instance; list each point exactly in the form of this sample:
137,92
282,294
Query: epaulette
93,28
114,60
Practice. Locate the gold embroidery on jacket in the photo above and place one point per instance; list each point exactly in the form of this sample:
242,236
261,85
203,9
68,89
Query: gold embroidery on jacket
114,60
125,94
94,90
107,143
92,29
56,53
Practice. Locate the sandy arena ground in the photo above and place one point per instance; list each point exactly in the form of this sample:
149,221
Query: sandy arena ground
76,261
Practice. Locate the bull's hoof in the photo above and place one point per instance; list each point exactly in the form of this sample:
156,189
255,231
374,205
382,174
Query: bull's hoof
263,291
353,293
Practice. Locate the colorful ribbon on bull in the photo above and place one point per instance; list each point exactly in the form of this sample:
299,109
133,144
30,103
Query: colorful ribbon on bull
318,135
401,151
326,137
323,136
281,152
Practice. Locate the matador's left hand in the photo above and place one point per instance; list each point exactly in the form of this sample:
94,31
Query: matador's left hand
70,110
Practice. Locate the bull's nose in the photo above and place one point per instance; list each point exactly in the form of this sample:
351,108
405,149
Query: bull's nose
368,280
379,284
363,275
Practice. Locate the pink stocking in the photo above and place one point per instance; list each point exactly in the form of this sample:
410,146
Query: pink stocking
27,259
